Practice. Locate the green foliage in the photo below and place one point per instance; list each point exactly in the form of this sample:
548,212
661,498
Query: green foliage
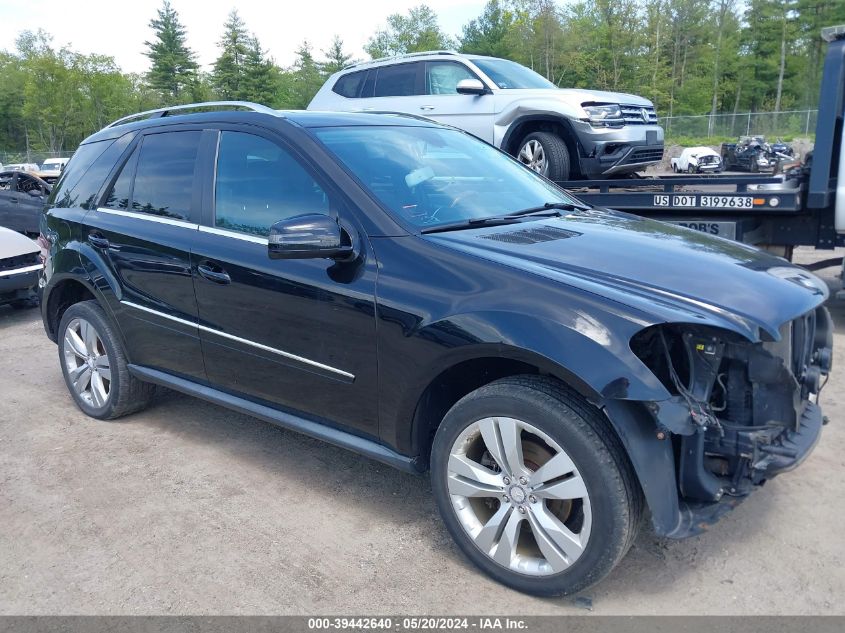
229,69
488,33
691,57
418,31
173,70
305,78
336,58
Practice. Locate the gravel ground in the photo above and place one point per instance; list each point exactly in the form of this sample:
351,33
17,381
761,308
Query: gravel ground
187,508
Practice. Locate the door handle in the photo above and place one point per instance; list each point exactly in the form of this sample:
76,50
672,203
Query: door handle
98,241
426,107
214,273
13,200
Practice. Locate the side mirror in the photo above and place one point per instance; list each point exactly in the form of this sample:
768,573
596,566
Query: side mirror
309,236
471,87
35,193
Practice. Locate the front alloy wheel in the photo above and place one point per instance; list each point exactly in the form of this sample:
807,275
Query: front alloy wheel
534,485
533,156
545,153
519,496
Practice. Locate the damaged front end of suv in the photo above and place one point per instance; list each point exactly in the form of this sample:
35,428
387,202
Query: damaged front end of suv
739,413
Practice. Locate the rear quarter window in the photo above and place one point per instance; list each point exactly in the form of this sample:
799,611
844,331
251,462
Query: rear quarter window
84,175
349,86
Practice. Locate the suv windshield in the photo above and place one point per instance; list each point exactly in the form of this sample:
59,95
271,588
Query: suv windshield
433,176
509,75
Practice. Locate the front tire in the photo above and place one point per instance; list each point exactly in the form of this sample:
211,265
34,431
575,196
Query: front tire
94,365
546,154
534,486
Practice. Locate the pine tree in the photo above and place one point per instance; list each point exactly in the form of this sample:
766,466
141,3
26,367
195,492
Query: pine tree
228,74
306,77
260,75
336,59
173,69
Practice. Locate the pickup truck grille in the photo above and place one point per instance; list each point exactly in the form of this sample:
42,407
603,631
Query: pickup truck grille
19,261
634,115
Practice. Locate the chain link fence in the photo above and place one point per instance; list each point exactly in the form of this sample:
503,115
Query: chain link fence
786,123
24,156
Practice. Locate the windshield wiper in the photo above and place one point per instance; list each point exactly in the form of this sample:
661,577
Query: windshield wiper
550,209
565,206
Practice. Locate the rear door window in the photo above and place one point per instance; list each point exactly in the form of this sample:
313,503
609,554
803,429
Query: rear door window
164,178
397,81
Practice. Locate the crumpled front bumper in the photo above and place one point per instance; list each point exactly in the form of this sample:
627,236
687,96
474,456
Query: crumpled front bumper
605,151
788,451
764,420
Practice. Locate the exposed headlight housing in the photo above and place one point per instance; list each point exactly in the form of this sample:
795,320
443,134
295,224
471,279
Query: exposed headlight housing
606,114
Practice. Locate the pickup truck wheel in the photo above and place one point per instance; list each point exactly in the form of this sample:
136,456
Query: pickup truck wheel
94,365
546,154
534,486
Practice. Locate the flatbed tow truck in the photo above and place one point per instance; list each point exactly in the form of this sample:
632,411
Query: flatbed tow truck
803,206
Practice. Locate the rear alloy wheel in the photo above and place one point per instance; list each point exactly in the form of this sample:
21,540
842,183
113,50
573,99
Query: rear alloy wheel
534,487
94,365
87,363
546,154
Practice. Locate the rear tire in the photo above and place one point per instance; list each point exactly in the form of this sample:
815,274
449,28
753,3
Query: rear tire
94,365
568,518
546,154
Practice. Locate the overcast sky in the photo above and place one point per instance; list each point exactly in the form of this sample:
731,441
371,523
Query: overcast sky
120,27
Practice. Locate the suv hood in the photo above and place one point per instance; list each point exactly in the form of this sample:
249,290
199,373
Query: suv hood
575,96
667,272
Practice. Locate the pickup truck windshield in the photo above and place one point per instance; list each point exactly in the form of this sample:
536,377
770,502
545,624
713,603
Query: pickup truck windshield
509,75
433,176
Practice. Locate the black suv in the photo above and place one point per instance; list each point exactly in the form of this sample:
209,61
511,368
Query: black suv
401,289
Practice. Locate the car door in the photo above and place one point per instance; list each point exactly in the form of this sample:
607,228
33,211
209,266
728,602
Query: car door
142,231
8,200
31,194
299,334
473,113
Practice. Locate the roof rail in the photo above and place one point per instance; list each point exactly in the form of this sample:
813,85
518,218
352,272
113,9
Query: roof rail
162,112
402,56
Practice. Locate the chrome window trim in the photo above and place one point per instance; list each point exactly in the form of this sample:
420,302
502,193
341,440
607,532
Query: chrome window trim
234,234
232,337
20,271
150,217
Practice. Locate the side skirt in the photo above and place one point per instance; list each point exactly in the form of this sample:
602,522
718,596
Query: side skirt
286,420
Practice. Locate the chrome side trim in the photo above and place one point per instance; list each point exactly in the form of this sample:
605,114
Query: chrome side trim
232,337
149,217
257,239
21,271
